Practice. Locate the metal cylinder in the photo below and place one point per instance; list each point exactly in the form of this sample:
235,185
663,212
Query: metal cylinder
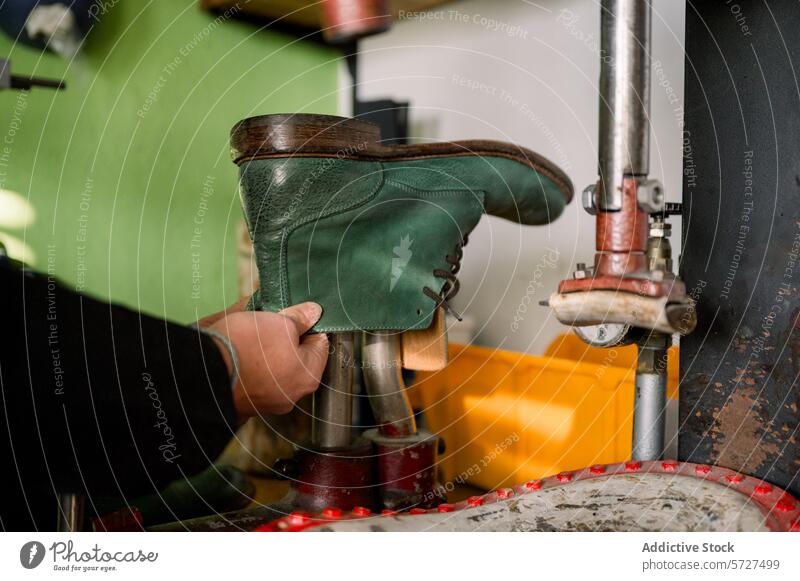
71,508
624,96
650,398
383,378
333,401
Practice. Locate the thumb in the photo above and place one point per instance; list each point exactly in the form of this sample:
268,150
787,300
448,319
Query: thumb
314,353
303,315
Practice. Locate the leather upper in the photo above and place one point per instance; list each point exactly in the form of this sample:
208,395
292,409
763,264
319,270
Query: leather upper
363,238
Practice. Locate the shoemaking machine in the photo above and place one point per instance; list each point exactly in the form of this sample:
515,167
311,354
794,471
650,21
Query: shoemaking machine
738,325
630,294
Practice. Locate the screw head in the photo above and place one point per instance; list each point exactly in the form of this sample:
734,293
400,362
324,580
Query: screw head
475,501
734,478
533,485
669,466
785,505
332,512
504,493
659,229
633,465
564,477
762,488
361,511
650,196
444,507
588,197
416,510
597,469
299,517
702,469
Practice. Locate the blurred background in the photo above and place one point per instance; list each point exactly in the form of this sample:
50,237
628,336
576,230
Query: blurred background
123,185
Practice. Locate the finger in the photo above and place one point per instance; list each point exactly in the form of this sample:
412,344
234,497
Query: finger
238,306
303,315
314,354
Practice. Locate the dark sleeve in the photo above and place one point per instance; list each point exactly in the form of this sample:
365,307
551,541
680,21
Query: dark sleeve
101,399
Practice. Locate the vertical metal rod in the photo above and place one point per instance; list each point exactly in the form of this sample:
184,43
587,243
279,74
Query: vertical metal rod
650,399
383,377
332,409
625,27
70,512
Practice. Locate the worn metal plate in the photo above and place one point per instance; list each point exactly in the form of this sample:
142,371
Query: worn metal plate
633,496
739,396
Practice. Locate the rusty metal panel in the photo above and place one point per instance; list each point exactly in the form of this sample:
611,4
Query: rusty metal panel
739,396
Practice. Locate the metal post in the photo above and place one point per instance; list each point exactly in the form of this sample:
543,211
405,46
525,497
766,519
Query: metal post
70,512
333,401
650,399
380,351
624,97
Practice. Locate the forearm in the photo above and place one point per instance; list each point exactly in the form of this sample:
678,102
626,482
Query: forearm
105,400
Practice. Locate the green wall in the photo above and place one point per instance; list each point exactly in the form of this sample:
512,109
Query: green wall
122,185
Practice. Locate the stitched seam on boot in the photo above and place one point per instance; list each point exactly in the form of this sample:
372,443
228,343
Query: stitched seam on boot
435,193
333,210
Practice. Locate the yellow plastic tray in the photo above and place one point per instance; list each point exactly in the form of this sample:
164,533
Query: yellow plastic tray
508,417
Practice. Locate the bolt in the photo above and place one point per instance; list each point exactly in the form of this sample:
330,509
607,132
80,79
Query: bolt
597,469
388,512
299,517
669,466
533,484
763,488
650,196
564,477
702,469
332,512
417,511
734,478
475,500
660,229
580,270
589,201
444,507
633,465
785,505
361,511
504,493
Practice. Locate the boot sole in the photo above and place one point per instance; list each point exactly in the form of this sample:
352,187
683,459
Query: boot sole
305,135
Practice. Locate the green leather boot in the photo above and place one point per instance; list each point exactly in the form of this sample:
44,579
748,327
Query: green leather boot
374,233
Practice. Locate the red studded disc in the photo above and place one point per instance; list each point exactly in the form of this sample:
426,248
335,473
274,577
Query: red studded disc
782,514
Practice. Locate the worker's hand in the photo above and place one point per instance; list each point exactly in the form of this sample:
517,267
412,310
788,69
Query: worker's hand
236,307
278,364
